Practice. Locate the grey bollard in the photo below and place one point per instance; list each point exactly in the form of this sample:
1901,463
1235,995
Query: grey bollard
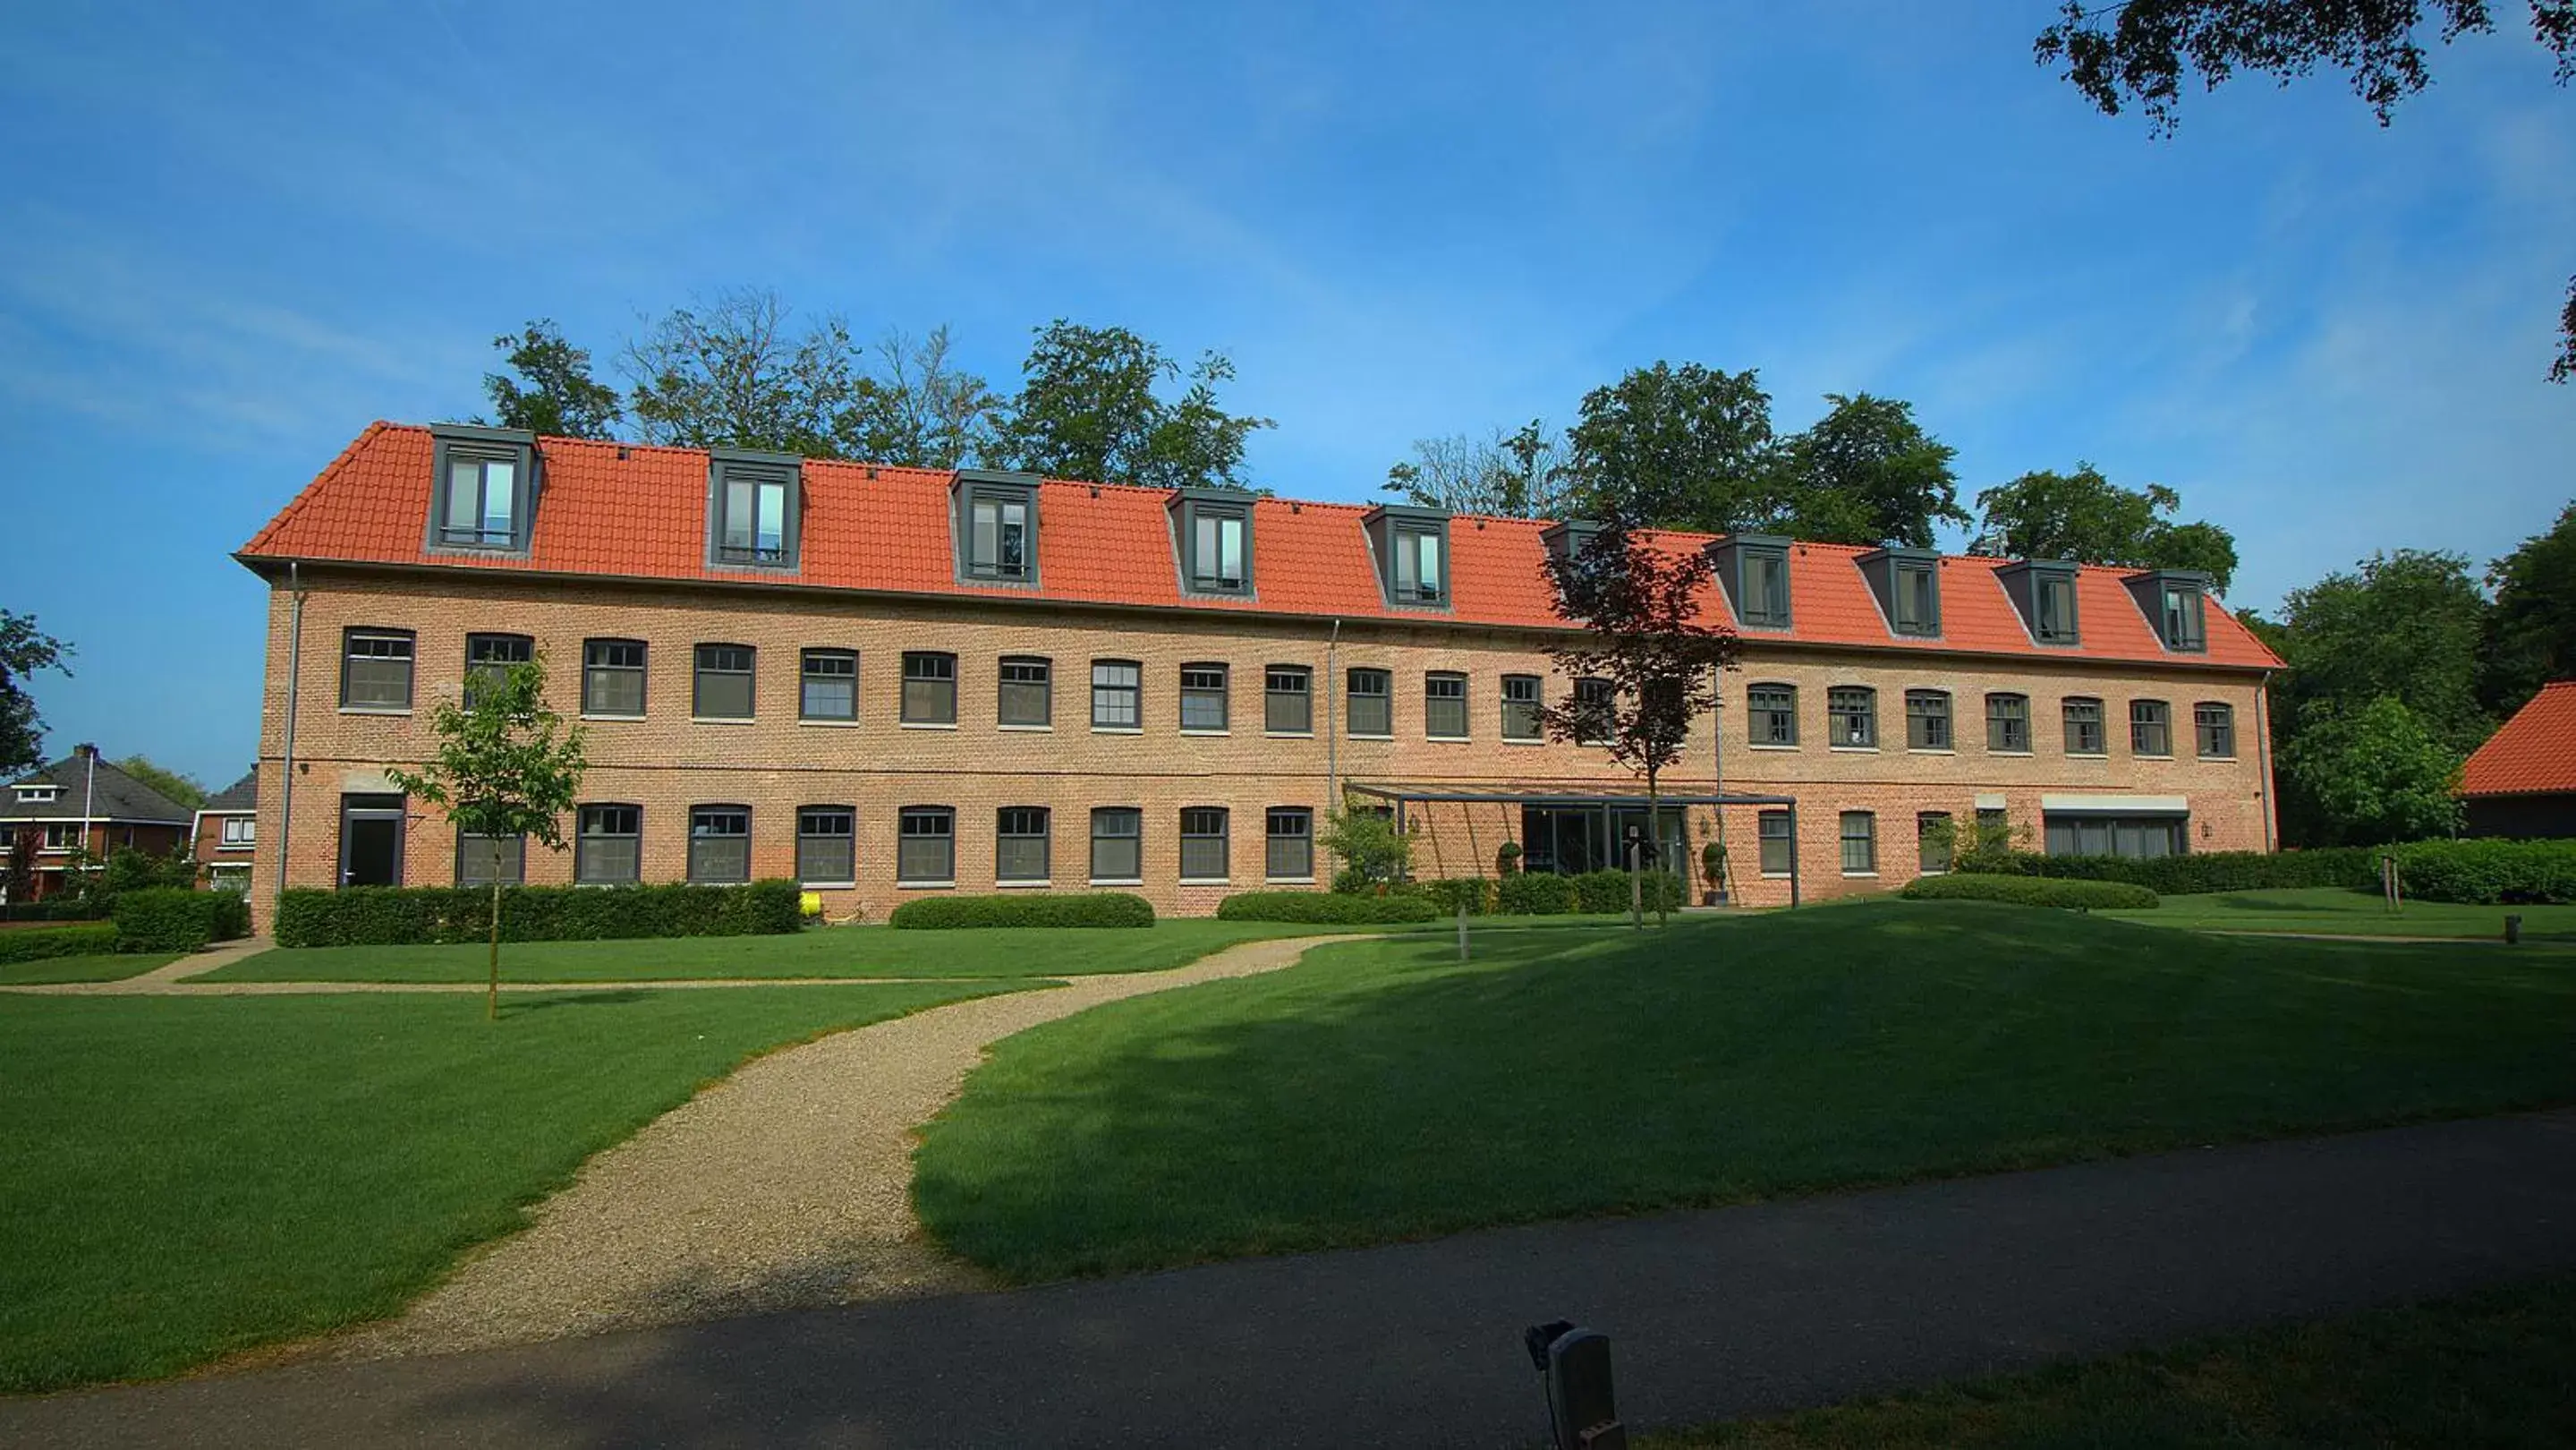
2512,929
1574,1364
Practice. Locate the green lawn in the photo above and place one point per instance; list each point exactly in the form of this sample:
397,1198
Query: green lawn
105,967
2493,1369
1380,1090
186,1177
2330,910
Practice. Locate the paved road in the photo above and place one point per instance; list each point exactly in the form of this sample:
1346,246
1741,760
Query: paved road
1713,1314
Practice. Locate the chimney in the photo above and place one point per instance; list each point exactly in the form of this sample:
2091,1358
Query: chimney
85,752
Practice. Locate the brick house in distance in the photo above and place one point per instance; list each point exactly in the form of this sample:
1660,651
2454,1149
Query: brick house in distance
226,835
2522,782
85,799
888,681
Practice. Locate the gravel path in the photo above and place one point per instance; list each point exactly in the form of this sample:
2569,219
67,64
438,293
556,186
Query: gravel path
788,1184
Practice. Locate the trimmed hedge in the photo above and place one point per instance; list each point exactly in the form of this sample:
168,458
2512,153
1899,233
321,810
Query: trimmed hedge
1606,892
56,908
1447,892
410,915
2030,891
2489,872
2193,874
1543,894
1088,908
56,941
1331,908
172,919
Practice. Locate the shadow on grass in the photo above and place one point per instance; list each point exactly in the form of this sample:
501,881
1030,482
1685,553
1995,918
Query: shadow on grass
520,1004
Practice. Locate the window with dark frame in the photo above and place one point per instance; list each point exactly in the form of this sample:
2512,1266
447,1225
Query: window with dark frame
1027,691
929,688
1766,588
828,686
2215,725
1851,715
1778,849
2008,724
489,658
925,852
1117,695
1521,703
827,845
612,677
2184,628
999,536
1935,841
1860,843
241,831
719,845
724,683
1371,700
1288,700
1596,704
484,493
2053,608
1444,705
1918,599
1771,714
1421,571
1290,849
2150,727
1219,537
1117,845
491,860
608,846
1927,720
1203,697
2084,728
1022,844
754,503
375,669
1203,843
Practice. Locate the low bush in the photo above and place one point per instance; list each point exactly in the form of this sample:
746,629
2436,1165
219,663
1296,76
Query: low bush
1541,894
1333,908
1089,908
56,941
1607,891
1449,892
2489,872
2193,874
2030,891
175,919
56,908
408,915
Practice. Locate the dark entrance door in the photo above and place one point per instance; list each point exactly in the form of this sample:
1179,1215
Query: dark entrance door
371,840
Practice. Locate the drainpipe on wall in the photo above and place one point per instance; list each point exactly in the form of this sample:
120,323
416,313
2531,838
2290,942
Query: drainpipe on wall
2263,767
286,771
1332,724
89,797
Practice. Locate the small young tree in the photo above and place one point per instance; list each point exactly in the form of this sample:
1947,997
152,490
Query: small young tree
1372,852
1644,639
505,767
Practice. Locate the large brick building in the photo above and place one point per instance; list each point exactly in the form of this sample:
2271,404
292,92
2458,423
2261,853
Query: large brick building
886,681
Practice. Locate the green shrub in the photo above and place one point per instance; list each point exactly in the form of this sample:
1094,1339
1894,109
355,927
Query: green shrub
56,908
56,941
2193,874
405,915
1334,908
2030,891
175,919
2489,872
1449,891
1606,892
1089,908
1535,894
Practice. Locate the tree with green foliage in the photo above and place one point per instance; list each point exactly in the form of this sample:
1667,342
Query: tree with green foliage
1088,409
2531,630
2138,50
506,767
552,392
1522,474
18,869
179,786
733,372
2375,774
2086,517
24,649
920,410
1867,473
2406,625
1684,447
1373,853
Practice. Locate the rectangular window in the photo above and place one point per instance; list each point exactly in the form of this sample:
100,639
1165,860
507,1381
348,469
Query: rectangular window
1778,847
998,536
1851,715
609,847
1021,840
2136,837
2150,727
827,845
489,658
2182,622
491,860
2008,724
482,502
1918,600
925,852
1027,690
1521,707
1287,700
1927,720
1766,589
1117,845
1771,715
2216,726
1444,706
2055,596
719,845
724,683
1291,849
1117,695
1203,843
1371,694
612,677
1596,704
1994,829
1203,697
753,527
1217,550
1936,838
241,831
830,685
375,669
929,688
1420,577
2084,728
1860,843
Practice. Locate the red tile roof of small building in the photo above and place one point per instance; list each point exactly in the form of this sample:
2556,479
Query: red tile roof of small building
2535,752
637,511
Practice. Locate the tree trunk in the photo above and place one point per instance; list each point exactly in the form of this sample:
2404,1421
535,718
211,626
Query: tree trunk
492,998
1655,836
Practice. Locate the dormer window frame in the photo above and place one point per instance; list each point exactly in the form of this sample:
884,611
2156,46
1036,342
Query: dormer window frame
38,794
2155,591
477,451
1400,536
1568,538
1907,583
1216,507
2041,590
974,490
758,473
1775,610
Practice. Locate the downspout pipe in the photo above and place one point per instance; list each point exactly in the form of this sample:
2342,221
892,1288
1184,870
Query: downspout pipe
2263,766
286,770
1332,723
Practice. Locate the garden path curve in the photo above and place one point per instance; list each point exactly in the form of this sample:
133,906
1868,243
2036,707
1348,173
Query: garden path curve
787,1184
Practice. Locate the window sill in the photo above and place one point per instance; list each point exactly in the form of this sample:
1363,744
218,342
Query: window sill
1207,881
1854,749
1026,729
1450,739
1509,740
609,885
2143,755
1356,736
1291,880
1117,729
1186,730
724,719
1287,734
1778,875
2217,759
607,719
2088,755
927,724
1860,876
1930,750
827,885
375,709
1789,749
1115,881
2017,754
1016,884
925,886
830,724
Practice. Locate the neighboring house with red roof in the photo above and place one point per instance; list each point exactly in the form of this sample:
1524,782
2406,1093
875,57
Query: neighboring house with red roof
885,681
226,834
85,801
2522,782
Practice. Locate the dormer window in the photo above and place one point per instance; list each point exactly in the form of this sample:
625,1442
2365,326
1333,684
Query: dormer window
1754,571
484,491
1214,532
38,794
1569,539
1908,585
2044,591
1412,548
997,527
2175,602
752,507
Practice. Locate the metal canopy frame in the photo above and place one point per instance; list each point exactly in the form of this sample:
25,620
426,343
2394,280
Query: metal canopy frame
1585,798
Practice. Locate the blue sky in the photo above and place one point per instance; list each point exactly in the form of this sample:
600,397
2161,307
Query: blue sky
229,241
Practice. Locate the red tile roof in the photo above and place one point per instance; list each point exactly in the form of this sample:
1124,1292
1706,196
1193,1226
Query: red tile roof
638,512
2535,752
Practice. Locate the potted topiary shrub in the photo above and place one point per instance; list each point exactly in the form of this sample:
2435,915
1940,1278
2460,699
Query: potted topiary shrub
1712,868
1507,858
